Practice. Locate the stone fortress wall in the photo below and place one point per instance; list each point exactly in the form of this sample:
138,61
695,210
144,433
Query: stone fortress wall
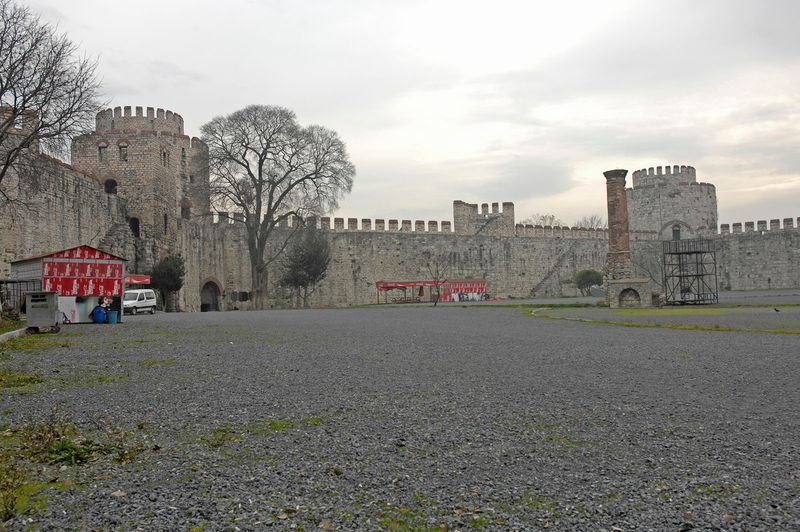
65,208
153,198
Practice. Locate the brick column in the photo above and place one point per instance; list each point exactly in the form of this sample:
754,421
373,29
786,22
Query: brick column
619,245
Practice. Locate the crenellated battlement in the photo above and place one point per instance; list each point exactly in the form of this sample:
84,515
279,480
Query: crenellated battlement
546,231
139,119
379,225
394,225
760,227
658,175
468,220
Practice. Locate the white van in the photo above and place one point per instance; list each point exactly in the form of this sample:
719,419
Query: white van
135,301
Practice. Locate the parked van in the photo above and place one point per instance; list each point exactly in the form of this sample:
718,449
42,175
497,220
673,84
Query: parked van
135,301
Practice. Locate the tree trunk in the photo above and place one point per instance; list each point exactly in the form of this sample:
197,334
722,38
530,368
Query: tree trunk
305,297
171,302
259,286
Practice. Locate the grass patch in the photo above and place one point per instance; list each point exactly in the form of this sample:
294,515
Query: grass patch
220,436
271,425
685,311
67,451
18,380
106,379
30,343
557,435
636,325
268,426
8,326
716,490
162,362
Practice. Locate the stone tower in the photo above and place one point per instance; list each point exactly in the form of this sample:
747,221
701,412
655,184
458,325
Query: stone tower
671,202
468,221
145,157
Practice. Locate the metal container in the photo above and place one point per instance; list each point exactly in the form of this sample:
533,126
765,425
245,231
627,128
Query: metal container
41,309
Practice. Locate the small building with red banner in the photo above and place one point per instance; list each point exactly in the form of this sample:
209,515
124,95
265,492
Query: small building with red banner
415,291
80,275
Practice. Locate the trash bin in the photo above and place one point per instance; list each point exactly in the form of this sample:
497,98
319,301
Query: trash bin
112,317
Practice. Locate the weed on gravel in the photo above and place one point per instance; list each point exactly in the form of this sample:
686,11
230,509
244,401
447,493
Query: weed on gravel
28,451
11,379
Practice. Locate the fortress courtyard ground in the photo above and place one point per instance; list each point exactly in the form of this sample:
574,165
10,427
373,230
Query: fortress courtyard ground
393,417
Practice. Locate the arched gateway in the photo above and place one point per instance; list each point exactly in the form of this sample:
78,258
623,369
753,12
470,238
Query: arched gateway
209,297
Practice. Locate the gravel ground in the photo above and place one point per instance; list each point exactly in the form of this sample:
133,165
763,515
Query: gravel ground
413,418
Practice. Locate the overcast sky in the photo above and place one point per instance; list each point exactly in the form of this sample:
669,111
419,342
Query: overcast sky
482,101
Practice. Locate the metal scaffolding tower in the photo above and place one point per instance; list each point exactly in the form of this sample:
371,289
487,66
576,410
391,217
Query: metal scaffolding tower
690,272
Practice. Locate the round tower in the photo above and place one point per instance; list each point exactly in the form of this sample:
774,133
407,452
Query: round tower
670,201
143,155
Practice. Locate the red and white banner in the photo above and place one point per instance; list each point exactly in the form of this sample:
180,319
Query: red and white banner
86,286
82,276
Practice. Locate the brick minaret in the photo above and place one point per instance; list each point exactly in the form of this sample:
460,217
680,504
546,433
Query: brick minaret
619,245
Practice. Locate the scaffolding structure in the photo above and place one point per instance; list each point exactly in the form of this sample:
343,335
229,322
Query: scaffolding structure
690,272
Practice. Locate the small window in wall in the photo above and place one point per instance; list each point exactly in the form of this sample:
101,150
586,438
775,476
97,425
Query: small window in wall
191,178
165,223
133,223
186,213
123,153
101,153
244,296
110,186
183,156
676,232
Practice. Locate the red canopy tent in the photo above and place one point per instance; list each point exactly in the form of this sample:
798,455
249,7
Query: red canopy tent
448,288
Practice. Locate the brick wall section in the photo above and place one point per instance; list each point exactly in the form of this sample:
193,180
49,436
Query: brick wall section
619,245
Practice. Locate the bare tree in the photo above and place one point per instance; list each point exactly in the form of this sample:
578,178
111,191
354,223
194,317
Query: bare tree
48,94
438,266
593,221
269,168
543,219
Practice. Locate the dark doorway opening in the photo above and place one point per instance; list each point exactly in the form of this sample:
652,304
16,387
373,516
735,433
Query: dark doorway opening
133,223
209,297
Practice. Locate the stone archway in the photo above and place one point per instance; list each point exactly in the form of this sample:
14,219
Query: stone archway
209,297
629,298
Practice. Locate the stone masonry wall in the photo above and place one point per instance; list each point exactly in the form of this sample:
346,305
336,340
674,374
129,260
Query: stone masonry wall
66,209
759,260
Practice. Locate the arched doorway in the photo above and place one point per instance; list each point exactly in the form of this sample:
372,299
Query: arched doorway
629,298
110,186
209,297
